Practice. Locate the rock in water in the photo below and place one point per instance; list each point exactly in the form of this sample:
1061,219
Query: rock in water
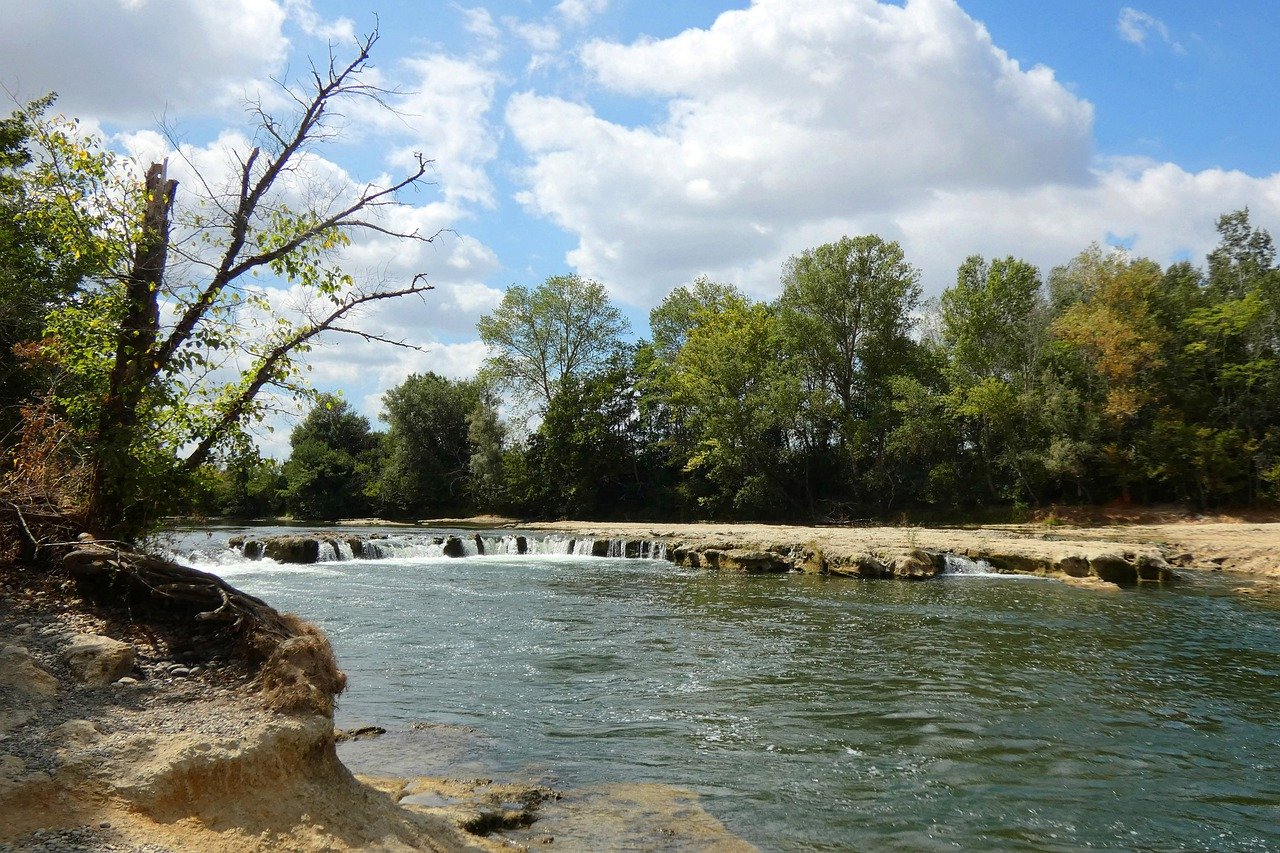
453,547
292,549
97,661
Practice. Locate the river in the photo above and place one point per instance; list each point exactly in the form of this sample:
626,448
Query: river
810,713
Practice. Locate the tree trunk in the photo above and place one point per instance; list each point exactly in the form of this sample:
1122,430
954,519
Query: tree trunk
114,469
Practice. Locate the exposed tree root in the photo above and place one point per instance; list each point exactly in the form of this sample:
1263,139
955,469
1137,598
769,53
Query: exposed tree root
294,661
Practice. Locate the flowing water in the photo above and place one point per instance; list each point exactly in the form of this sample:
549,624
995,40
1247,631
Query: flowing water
968,712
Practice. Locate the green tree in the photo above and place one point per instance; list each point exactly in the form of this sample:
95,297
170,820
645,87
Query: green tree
738,395
487,435
671,321
994,326
427,468
847,311
329,472
583,460
561,331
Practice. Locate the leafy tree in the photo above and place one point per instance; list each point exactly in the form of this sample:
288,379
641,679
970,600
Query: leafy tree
994,328
330,470
428,448
487,435
143,382
561,331
671,321
583,460
1107,315
847,312
50,239
738,395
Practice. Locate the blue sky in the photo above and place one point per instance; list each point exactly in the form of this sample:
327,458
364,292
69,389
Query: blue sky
644,144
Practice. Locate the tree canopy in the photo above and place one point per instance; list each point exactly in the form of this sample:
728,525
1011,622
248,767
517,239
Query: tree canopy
558,332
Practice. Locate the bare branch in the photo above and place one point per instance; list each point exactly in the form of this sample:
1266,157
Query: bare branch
265,372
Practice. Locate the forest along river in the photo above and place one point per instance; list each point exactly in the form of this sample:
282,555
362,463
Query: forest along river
969,712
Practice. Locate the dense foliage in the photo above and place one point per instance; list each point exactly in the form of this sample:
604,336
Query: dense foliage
848,397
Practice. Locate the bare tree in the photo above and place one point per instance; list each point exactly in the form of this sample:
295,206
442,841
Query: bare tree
253,231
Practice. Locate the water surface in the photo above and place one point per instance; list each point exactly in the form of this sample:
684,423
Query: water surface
812,713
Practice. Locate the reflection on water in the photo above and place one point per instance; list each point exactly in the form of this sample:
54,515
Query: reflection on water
807,713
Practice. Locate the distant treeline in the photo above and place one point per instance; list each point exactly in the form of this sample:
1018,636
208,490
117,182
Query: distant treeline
847,397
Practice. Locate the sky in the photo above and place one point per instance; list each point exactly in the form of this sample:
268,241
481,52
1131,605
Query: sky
644,144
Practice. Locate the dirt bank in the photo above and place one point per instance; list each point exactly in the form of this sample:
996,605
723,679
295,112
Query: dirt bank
148,748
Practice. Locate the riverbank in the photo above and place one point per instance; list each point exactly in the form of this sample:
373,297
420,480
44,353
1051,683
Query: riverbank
114,737
118,734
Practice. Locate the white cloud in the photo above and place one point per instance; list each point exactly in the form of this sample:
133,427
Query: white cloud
128,60
788,125
580,12
541,37
479,22
783,113
444,113
1136,27
340,31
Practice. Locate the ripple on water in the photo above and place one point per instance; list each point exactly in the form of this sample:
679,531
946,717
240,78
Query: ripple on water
811,714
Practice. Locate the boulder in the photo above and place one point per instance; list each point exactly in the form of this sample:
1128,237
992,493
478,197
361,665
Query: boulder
808,559
97,661
522,545
746,560
856,566
1018,564
917,564
1155,569
252,549
19,670
362,733
453,547
292,549
1113,568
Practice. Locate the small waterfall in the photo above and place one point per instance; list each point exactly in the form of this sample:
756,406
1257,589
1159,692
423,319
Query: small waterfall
430,545
334,551
958,565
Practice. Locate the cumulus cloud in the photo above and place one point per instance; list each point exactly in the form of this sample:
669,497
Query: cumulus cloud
788,125
479,22
130,60
1136,27
785,114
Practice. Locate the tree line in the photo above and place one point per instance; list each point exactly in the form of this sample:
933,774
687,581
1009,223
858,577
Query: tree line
847,397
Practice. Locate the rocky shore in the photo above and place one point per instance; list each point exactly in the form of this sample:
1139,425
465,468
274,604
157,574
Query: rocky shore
1102,556
118,735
